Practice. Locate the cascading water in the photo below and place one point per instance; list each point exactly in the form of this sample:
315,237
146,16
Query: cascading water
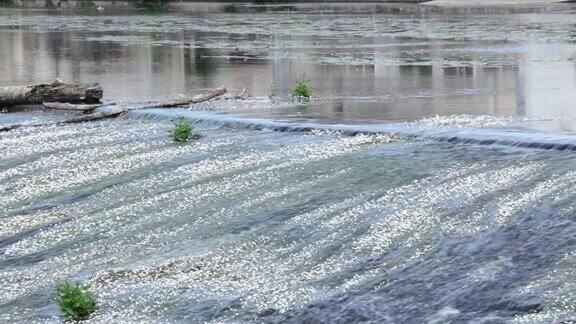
256,225
469,131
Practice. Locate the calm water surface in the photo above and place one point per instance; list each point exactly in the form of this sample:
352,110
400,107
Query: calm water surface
364,62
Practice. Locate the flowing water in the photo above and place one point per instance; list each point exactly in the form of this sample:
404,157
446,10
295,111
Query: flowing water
431,178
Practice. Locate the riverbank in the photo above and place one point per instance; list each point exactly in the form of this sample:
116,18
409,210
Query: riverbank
219,4
41,3
494,3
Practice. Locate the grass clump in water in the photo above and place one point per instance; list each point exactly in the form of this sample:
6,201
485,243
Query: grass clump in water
151,6
183,131
75,301
302,91
87,4
6,3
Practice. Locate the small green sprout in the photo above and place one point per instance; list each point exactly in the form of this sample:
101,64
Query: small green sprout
302,91
75,301
183,131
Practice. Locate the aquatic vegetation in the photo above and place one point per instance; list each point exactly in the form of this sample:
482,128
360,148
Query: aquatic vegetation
232,8
151,6
302,91
75,301
262,7
87,4
183,131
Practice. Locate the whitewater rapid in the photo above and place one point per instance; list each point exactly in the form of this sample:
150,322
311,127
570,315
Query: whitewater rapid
249,224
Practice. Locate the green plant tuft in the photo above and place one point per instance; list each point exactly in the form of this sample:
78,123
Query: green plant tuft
302,91
151,6
6,3
75,302
87,4
183,131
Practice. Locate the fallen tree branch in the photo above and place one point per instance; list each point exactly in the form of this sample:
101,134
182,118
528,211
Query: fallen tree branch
11,127
242,95
102,112
106,112
54,92
70,106
117,110
185,101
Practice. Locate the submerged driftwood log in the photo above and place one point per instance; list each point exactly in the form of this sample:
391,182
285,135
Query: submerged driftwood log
70,106
100,111
185,101
117,110
54,92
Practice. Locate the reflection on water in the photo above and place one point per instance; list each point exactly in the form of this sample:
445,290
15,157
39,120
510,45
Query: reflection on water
365,63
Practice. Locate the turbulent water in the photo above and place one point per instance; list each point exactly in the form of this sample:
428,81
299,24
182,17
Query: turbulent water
430,179
257,225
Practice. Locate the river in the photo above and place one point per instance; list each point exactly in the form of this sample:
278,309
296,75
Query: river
430,179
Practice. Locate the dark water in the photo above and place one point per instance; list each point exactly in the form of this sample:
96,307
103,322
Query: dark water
431,178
